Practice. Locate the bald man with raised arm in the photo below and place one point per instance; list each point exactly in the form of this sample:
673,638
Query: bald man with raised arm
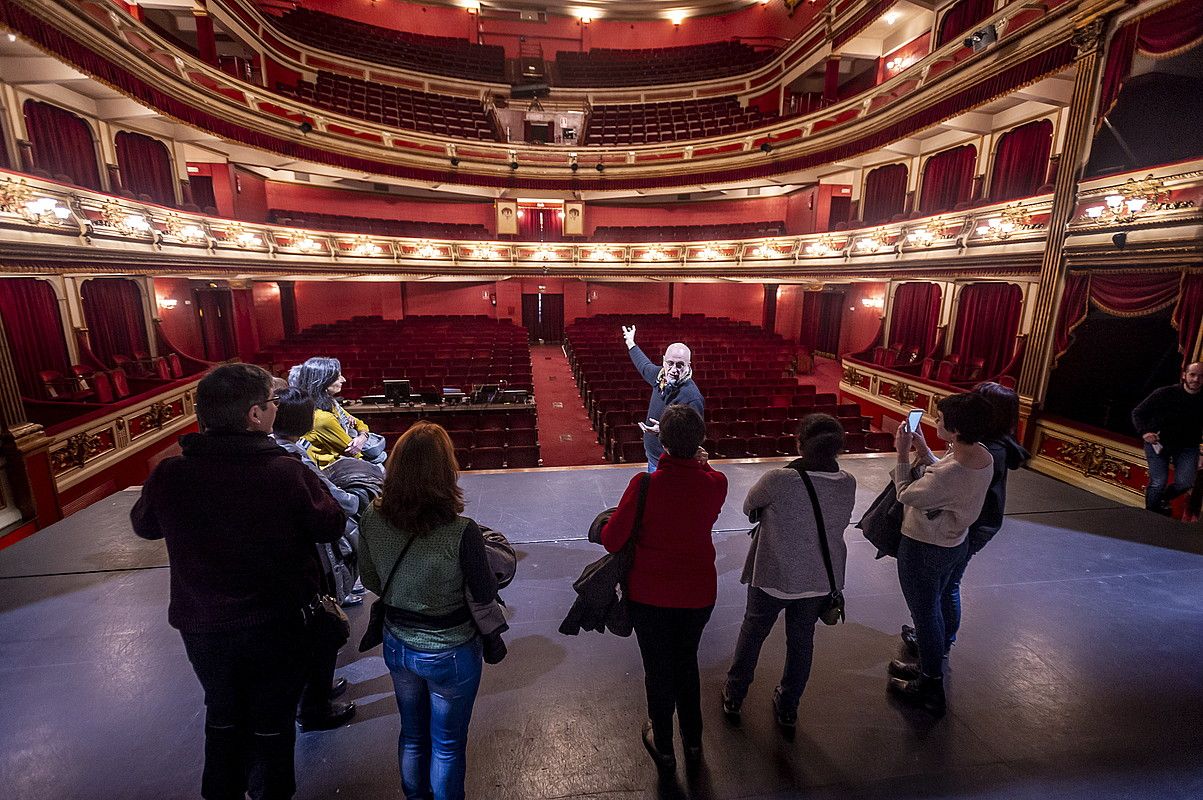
672,384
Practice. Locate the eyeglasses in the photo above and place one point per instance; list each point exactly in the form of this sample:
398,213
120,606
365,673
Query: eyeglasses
274,400
678,364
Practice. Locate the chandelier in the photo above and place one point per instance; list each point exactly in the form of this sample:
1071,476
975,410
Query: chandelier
1010,220
819,249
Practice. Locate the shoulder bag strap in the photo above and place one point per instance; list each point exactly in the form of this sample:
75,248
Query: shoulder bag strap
814,502
393,572
641,500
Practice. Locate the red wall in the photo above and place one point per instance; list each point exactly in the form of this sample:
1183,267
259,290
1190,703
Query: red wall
330,301
789,311
269,321
712,212
771,22
425,299
299,197
739,301
860,324
180,323
223,185
250,196
628,298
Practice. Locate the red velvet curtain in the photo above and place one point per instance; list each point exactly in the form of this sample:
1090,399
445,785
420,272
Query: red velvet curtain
146,167
62,144
215,307
987,321
1162,34
948,179
915,316
1021,161
1188,315
540,225
1132,294
961,17
1072,311
885,193
811,318
34,329
113,310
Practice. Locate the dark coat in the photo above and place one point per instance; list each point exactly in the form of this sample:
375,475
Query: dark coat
882,523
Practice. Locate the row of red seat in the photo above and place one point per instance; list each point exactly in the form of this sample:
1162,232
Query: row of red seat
438,55
378,227
640,123
483,440
622,67
384,104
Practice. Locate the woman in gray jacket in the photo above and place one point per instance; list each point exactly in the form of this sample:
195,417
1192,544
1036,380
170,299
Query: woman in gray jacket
785,569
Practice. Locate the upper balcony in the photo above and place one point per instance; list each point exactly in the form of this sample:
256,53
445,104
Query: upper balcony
116,48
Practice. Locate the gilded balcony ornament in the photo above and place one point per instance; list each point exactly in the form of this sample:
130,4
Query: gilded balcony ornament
852,375
903,393
241,237
13,196
75,453
1089,38
17,198
159,414
1090,458
183,231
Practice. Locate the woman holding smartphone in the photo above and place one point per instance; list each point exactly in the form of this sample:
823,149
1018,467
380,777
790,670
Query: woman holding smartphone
941,498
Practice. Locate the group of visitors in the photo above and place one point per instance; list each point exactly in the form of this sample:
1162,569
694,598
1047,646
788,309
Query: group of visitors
257,531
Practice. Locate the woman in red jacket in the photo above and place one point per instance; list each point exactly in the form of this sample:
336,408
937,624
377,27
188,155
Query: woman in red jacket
672,583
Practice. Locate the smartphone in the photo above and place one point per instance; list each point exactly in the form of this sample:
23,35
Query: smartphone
913,418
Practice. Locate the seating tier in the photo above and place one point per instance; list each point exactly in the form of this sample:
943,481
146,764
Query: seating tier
648,123
652,66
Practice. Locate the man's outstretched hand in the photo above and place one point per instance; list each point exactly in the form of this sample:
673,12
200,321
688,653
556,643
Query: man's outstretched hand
628,333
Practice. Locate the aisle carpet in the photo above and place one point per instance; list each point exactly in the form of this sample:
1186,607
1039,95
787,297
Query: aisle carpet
565,436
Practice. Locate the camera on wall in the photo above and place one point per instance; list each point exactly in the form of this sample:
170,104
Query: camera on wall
982,39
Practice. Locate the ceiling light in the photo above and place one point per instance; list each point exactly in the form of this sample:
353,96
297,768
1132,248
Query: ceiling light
676,17
891,17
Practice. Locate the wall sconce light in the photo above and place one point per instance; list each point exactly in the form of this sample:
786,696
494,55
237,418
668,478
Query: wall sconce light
873,302
709,253
1132,199
193,233
521,213
484,254
560,214
598,254
135,223
1012,219
493,298
655,254
544,254
590,296
891,17
767,250
920,237
473,8
819,249
871,244
427,250
676,18
899,63
45,209
247,239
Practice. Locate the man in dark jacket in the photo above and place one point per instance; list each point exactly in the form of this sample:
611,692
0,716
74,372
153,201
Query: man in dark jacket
672,384
1170,421
240,517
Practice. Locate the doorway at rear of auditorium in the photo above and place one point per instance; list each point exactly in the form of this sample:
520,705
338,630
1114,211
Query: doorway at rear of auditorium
215,310
543,317
822,318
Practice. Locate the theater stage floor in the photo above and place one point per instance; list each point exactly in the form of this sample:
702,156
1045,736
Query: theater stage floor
1076,675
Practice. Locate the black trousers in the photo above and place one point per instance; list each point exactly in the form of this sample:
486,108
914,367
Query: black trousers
760,616
252,680
319,679
668,642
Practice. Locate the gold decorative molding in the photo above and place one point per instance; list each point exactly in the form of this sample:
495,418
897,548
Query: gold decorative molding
75,452
1091,458
903,393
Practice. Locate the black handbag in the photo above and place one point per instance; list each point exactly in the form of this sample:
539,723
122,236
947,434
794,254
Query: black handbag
374,634
833,611
327,622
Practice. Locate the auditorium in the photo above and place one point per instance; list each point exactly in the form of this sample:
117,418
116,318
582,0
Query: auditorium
463,241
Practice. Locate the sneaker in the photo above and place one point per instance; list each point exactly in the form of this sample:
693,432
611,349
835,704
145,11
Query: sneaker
352,600
786,717
731,706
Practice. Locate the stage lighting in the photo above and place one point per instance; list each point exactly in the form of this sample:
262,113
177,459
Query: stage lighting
574,166
455,161
600,167
765,147
306,126
513,165
1120,240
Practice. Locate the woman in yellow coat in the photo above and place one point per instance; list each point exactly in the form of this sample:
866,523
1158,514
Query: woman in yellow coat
335,433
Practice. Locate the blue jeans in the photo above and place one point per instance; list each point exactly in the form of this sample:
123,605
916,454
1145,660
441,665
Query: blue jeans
652,462
1185,465
950,602
760,616
924,572
435,694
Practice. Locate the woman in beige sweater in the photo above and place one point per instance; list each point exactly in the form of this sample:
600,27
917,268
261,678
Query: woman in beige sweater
941,499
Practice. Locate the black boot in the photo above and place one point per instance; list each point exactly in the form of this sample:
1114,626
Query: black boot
338,714
909,641
731,707
665,759
924,692
904,670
